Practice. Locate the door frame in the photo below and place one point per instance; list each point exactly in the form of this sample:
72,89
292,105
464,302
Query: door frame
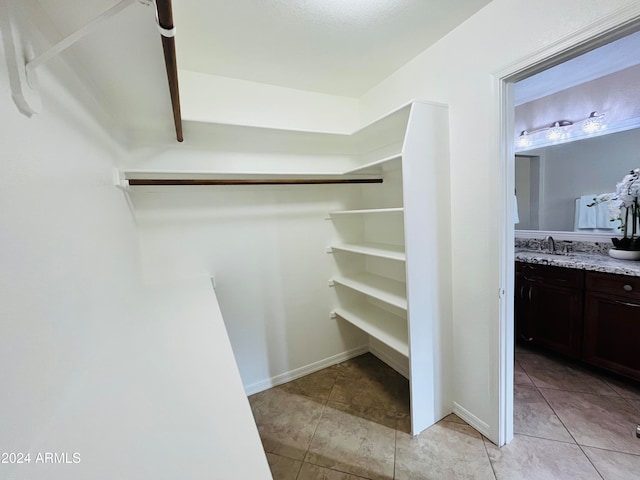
616,25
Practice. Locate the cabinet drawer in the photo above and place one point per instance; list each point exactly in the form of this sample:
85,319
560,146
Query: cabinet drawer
550,275
619,285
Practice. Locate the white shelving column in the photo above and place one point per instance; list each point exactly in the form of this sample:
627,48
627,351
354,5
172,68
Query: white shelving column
397,291
427,244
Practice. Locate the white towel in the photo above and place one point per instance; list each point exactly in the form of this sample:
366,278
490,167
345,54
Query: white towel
603,219
586,215
516,218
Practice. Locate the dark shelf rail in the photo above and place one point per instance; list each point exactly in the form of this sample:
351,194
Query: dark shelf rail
165,21
138,182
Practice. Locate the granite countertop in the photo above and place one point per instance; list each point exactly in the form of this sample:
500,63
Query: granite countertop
593,261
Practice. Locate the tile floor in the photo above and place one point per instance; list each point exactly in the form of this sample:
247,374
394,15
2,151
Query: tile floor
350,421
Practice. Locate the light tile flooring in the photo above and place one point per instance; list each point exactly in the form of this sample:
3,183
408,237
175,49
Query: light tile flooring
350,422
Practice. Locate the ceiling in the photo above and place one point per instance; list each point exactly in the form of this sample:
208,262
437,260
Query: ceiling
340,47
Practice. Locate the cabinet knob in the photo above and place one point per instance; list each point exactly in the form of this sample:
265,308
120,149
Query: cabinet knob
627,288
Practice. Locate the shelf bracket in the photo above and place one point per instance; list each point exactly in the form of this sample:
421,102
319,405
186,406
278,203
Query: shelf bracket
120,181
333,315
332,283
21,60
18,50
23,63
329,250
73,38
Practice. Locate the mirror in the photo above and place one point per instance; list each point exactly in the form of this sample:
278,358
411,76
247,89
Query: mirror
552,182
581,159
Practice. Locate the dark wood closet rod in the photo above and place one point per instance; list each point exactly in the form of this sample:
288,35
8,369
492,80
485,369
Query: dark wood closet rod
288,181
165,20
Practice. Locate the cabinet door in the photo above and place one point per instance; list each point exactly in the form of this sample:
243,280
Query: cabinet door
555,318
521,309
612,333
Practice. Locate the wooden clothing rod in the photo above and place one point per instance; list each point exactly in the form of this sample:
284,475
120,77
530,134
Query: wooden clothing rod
173,182
165,22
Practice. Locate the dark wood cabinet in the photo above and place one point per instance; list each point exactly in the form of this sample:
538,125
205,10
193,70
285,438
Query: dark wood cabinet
612,323
548,307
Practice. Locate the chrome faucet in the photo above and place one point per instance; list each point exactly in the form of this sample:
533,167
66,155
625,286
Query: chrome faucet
551,244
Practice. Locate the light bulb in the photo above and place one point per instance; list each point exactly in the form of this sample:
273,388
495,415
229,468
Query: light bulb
593,123
558,130
524,140
555,132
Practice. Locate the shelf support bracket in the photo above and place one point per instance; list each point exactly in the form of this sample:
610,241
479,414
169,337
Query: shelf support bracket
65,43
21,61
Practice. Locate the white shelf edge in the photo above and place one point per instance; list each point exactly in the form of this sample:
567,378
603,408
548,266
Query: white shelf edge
375,163
369,210
381,325
311,131
386,290
392,252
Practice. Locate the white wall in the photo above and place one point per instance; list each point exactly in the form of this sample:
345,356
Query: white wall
459,71
211,98
88,363
615,95
265,246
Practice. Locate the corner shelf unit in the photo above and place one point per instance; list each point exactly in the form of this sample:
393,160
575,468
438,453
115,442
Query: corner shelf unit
387,252
391,247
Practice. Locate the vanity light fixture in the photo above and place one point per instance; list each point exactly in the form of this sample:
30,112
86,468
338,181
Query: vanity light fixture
561,130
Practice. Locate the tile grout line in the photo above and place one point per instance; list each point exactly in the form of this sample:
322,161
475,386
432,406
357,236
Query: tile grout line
589,460
525,372
556,414
486,451
567,429
395,449
548,439
626,400
315,430
613,451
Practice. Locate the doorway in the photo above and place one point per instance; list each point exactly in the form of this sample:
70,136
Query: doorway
599,34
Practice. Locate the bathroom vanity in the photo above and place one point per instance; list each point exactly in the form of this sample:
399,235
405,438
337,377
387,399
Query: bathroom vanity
585,306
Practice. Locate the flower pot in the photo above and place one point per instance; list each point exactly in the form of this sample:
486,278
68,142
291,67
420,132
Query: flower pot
624,254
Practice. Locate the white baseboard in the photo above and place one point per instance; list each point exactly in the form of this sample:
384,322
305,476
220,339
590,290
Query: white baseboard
471,419
396,361
305,370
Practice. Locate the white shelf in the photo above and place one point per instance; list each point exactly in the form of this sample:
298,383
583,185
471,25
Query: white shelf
381,325
393,252
375,166
384,289
371,210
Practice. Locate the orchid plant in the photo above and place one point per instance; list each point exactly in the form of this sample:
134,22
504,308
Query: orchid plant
624,205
